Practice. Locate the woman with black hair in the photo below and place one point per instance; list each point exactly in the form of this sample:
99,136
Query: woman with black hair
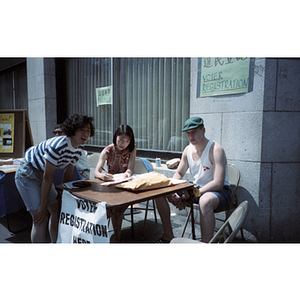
34,176
119,156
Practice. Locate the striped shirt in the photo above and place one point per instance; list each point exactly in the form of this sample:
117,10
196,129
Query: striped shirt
58,151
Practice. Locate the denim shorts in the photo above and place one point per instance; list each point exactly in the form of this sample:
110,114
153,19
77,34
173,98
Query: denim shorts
224,196
29,182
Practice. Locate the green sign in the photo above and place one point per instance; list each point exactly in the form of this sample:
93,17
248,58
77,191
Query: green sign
223,76
103,95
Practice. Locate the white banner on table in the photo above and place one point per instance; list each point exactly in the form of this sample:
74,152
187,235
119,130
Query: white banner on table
82,221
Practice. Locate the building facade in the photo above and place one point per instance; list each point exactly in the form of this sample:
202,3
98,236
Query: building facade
259,129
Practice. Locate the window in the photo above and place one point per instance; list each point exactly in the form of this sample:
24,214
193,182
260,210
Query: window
13,86
152,95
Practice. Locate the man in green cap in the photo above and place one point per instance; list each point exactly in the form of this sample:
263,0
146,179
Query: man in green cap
207,162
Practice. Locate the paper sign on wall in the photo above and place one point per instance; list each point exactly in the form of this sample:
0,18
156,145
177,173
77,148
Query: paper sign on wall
7,122
82,221
223,76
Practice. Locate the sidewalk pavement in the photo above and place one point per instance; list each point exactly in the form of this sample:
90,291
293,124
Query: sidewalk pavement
16,227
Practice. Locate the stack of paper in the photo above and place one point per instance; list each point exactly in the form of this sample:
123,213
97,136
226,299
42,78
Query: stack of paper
118,178
8,168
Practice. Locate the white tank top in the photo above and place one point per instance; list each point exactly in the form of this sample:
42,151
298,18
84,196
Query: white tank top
202,170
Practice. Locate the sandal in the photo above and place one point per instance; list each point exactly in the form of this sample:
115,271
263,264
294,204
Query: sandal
162,241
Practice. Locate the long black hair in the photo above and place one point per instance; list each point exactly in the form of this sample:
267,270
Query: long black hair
125,129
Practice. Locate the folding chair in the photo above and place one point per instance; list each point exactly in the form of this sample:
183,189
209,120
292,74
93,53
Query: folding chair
234,178
93,160
228,230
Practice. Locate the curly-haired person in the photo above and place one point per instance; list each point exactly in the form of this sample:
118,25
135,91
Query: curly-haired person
34,176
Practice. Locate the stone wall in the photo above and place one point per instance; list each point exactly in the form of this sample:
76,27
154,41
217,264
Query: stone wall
259,131
280,163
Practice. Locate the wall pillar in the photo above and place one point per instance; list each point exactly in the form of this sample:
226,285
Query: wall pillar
279,187
41,97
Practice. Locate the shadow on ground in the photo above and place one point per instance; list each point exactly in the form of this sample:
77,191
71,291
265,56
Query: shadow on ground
16,227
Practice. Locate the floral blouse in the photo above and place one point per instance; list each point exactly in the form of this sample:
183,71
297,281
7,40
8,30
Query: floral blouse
117,162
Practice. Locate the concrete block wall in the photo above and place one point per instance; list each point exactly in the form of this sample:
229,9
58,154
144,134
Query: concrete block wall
259,131
235,121
41,97
281,149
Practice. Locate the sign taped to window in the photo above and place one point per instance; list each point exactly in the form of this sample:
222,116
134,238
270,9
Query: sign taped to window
223,76
103,95
82,221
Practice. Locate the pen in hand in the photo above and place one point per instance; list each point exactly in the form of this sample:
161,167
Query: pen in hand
107,176
104,170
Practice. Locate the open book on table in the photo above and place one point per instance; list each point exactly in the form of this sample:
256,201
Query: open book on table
118,178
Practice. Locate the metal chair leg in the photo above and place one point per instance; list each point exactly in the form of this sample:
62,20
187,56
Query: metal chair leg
154,208
146,212
132,227
186,221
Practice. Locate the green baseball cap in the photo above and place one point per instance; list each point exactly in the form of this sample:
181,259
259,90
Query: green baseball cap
192,123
